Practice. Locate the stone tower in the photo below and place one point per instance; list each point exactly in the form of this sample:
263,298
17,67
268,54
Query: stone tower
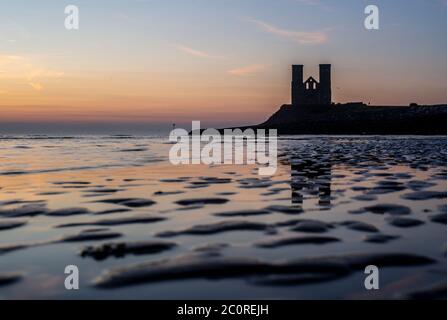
325,84
297,83
311,92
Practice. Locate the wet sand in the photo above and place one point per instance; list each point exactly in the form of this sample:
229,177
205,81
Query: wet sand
139,227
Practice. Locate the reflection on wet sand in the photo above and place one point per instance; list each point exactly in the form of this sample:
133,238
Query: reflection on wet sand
312,176
116,208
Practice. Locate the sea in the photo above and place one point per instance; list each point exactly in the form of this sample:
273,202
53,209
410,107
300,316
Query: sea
135,226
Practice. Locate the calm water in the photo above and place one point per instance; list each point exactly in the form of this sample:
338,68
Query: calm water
139,227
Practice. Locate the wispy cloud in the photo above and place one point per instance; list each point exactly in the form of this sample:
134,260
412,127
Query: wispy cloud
195,52
243,71
302,37
7,59
310,2
26,69
36,86
41,74
314,3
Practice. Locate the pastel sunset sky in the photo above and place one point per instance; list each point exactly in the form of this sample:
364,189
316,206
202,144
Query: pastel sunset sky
139,62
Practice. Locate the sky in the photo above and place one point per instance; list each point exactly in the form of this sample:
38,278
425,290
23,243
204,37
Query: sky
151,63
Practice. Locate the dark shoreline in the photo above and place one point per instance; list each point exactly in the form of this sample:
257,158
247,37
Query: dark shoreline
357,119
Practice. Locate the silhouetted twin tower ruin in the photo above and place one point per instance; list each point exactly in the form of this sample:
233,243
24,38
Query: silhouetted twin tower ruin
311,92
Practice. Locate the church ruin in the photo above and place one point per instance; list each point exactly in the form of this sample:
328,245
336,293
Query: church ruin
311,92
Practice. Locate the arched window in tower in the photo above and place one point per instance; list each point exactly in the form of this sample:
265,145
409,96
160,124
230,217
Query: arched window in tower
311,84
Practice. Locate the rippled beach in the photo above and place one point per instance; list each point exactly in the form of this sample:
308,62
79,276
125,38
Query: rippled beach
139,227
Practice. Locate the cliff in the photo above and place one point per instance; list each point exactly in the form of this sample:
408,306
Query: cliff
359,119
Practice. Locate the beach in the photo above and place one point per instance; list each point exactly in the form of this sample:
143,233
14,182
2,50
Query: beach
138,227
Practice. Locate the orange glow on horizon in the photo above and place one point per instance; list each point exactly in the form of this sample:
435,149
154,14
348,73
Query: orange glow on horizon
32,91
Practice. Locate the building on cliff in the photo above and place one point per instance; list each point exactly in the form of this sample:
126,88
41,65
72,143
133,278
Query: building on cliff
311,92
